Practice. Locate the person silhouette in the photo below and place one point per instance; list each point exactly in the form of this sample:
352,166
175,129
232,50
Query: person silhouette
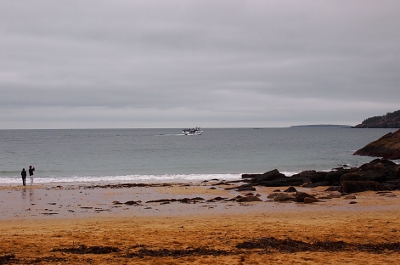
31,169
23,175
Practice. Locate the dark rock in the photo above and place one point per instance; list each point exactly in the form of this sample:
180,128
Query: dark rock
287,181
379,174
324,198
299,197
267,176
245,188
316,184
377,164
161,200
397,172
272,195
131,203
250,198
333,188
359,186
184,200
333,195
192,200
388,147
334,177
310,200
305,174
311,176
379,170
284,197
388,186
290,189
314,178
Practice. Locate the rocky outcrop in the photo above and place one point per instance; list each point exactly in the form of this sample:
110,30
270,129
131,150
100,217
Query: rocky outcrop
379,174
359,186
387,147
267,176
272,178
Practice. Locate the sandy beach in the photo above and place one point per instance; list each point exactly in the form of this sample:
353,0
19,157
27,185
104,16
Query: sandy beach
197,224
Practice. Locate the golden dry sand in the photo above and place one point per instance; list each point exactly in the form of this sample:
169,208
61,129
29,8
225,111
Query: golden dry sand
328,232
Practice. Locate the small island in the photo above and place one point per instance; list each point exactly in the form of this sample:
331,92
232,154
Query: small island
321,125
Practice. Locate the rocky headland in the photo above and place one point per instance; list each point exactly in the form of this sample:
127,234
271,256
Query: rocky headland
387,147
390,120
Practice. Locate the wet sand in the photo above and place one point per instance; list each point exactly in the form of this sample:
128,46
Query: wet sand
84,224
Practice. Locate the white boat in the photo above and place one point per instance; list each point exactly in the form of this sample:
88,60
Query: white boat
192,131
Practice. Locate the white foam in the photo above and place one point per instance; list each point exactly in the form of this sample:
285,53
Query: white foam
166,178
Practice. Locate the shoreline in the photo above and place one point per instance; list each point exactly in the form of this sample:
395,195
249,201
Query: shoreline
173,199
198,223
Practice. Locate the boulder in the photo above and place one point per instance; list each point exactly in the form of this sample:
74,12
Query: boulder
250,198
246,188
283,197
131,203
290,189
272,195
316,184
287,181
300,196
378,164
334,176
333,188
267,176
333,195
311,176
310,200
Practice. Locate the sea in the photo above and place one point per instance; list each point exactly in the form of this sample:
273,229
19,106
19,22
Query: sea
104,156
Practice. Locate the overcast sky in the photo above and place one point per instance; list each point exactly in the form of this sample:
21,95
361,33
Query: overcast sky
155,64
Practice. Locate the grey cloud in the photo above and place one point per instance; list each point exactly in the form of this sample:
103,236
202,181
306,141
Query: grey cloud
233,63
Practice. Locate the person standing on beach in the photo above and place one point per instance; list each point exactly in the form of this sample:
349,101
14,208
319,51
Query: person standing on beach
23,175
31,169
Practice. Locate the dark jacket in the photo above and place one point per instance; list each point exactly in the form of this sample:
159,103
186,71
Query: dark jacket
23,174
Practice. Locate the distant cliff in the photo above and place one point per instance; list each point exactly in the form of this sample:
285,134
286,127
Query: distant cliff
390,120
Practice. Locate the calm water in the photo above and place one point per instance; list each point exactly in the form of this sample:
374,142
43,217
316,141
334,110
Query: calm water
142,155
